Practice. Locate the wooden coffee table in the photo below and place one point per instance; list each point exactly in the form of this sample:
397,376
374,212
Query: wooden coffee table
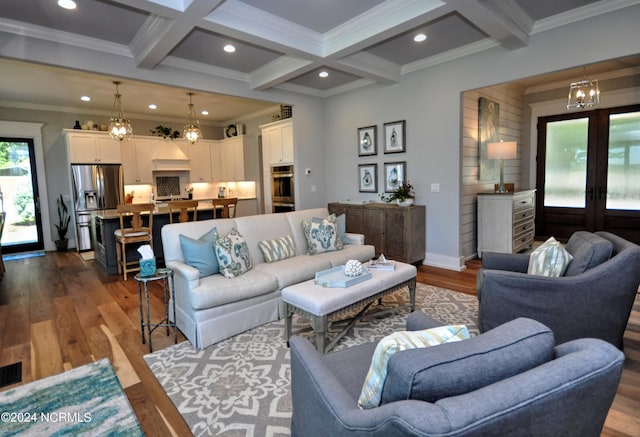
324,305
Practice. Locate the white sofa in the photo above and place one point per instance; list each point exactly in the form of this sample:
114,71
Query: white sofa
212,308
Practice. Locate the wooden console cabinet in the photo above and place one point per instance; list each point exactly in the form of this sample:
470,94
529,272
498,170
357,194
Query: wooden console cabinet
397,231
506,221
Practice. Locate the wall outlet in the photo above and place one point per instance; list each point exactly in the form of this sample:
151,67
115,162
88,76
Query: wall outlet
307,171
435,188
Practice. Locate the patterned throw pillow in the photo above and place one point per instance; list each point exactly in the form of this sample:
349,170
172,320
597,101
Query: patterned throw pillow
275,250
322,236
550,259
341,222
200,253
232,253
399,341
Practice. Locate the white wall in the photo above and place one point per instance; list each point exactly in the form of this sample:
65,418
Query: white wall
430,101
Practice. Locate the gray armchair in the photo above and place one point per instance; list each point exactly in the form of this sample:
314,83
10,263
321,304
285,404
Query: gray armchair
511,381
593,299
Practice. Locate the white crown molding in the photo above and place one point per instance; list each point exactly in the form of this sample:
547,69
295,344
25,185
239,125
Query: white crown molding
299,89
449,55
199,67
582,13
370,66
279,70
360,83
66,38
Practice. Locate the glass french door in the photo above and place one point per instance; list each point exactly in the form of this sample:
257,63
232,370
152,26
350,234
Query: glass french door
19,201
588,173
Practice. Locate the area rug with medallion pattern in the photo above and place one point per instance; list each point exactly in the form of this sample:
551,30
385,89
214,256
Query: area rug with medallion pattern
240,386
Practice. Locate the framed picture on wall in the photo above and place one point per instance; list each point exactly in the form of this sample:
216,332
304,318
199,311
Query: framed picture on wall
488,128
394,137
368,178
395,173
367,141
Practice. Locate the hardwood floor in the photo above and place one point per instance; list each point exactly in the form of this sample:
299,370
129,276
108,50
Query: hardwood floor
59,311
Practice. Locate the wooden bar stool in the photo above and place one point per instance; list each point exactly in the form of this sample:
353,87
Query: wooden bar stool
138,233
183,206
228,205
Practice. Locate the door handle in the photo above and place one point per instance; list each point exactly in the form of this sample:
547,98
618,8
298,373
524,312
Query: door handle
590,193
602,191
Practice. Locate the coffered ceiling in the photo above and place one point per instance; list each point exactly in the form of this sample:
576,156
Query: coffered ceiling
281,44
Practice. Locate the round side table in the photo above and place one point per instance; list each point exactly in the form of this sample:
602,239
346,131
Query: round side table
166,276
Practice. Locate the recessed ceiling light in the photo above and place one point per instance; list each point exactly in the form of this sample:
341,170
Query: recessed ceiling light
205,112
67,4
229,48
153,106
323,73
420,37
85,98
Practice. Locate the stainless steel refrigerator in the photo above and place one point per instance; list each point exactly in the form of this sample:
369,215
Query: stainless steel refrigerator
95,187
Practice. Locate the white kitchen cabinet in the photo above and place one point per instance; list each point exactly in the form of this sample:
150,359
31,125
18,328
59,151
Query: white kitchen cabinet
277,142
137,160
506,221
88,147
232,159
200,161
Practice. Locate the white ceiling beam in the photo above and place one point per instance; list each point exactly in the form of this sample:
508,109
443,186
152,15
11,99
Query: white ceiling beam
369,66
379,23
279,71
502,20
246,23
159,35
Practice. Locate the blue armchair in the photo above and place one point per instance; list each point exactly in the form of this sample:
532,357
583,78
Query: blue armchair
510,381
593,299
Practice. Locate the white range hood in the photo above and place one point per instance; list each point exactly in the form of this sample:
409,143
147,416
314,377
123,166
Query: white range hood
170,157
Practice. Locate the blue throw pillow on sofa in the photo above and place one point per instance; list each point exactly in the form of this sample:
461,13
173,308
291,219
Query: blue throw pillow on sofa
200,253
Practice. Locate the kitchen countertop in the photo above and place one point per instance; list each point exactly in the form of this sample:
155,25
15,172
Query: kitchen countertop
160,209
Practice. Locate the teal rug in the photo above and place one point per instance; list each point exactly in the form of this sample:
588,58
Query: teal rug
85,401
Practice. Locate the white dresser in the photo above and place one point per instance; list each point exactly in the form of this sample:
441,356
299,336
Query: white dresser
506,221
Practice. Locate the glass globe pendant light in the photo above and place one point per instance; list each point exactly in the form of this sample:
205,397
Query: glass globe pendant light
191,130
119,125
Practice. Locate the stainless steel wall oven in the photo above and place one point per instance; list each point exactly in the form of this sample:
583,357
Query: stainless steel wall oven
282,188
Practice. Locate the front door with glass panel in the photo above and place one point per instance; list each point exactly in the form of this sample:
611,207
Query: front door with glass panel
588,173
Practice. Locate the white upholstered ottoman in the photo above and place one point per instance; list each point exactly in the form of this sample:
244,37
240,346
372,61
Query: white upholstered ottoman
324,304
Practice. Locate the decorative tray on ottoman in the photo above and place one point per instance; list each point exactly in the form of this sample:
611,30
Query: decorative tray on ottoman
335,277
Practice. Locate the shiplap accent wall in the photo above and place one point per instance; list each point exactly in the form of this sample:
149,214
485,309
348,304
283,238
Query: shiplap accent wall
510,98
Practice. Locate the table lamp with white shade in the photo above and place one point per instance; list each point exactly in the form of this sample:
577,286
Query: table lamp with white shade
502,150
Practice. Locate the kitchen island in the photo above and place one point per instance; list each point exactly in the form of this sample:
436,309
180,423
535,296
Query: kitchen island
105,222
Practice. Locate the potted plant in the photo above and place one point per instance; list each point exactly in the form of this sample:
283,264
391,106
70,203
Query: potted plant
165,132
403,195
63,225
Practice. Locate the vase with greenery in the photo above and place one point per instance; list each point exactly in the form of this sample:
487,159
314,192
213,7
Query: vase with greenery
63,225
403,195
165,132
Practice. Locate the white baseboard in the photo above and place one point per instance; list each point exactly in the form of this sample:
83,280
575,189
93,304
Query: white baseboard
445,262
